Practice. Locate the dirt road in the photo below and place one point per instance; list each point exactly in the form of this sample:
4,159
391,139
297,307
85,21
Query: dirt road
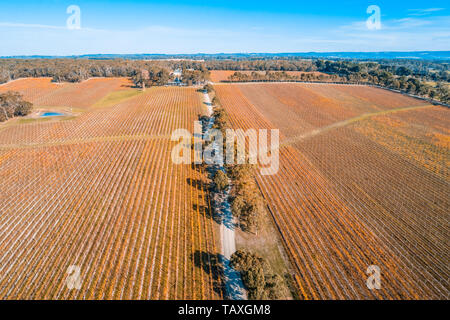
232,279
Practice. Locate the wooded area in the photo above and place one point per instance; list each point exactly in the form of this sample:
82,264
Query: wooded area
429,79
13,105
77,70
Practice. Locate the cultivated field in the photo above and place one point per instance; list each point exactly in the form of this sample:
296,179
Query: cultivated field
222,75
99,191
44,92
363,180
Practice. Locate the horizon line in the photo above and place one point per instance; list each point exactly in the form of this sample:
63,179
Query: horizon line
225,53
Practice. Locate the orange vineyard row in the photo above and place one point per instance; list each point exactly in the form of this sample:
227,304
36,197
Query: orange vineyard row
138,226
343,202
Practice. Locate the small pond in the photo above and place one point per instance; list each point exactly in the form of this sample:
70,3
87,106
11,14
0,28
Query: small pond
51,114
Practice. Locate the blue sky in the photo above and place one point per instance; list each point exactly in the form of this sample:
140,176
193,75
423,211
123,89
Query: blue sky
181,26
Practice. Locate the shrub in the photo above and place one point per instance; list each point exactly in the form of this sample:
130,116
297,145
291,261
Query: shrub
221,181
238,206
257,275
247,204
208,87
13,105
215,101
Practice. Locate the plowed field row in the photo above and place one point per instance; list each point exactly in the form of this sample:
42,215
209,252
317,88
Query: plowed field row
138,226
43,92
343,202
157,112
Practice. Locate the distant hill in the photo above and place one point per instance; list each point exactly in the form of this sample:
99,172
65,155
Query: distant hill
419,55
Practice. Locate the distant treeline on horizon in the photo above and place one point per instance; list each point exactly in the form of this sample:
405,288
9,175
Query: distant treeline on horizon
419,55
421,77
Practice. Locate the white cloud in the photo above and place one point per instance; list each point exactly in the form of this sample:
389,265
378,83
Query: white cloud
41,26
423,12
25,25
404,34
406,23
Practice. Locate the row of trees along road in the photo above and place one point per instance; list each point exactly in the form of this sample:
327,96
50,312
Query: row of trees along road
247,203
247,206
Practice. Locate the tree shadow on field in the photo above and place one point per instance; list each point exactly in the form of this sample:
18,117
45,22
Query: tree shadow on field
207,211
204,120
212,265
200,168
196,183
128,86
207,206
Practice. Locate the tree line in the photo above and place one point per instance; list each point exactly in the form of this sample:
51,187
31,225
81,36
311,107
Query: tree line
12,105
247,203
429,79
150,76
73,70
248,207
424,78
390,76
280,76
191,76
425,69
77,70
262,65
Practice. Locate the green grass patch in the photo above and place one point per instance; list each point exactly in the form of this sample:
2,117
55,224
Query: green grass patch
116,97
31,120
